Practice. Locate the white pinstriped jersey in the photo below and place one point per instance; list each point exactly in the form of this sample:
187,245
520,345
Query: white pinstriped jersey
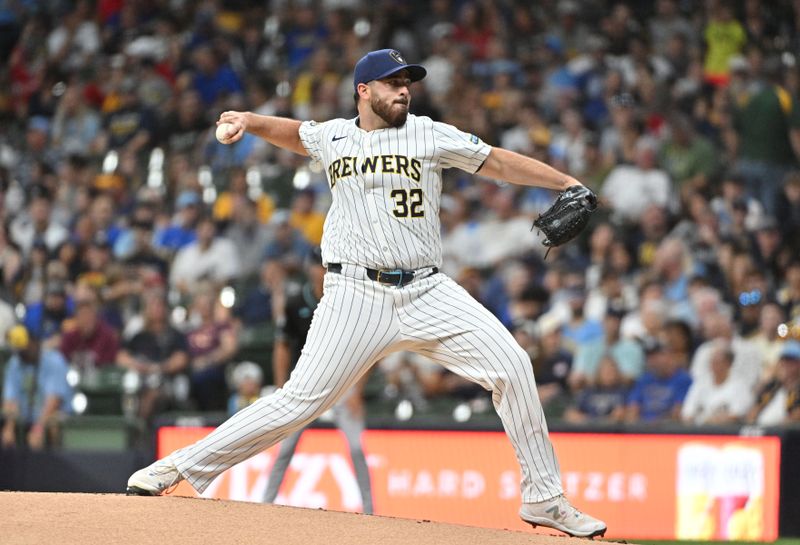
386,186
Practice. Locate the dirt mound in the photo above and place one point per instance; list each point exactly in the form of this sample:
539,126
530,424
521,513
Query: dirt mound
89,519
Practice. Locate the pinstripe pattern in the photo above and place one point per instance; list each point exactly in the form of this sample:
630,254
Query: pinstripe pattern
459,333
359,321
352,427
360,227
336,355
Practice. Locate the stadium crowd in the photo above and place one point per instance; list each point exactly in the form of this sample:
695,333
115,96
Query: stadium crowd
130,237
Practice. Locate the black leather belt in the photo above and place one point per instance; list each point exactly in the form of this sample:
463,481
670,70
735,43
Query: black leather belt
391,277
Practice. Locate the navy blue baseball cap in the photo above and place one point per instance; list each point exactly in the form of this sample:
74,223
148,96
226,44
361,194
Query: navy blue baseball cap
382,64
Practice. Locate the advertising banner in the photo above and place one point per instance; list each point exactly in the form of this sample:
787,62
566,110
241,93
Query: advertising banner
643,486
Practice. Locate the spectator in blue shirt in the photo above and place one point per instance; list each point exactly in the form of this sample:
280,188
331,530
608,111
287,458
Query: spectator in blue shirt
627,354
659,393
289,246
181,232
604,399
44,318
35,390
672,265
213,80
580,330
255,305
304,32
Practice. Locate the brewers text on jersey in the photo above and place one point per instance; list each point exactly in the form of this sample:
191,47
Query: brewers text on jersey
347,167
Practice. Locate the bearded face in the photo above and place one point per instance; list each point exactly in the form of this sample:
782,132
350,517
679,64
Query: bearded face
393,111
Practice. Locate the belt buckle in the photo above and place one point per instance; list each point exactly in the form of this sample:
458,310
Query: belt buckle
399,272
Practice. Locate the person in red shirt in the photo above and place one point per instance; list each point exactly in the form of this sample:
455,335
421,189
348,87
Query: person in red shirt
90,342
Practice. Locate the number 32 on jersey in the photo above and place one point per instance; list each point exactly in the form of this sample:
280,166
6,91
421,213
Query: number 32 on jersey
408,203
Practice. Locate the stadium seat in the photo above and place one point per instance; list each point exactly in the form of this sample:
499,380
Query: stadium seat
103,390
255,344
107,433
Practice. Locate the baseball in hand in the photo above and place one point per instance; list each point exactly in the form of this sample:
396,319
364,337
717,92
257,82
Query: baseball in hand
224,132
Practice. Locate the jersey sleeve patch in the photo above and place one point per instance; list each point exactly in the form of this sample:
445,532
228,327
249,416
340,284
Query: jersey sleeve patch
310,134
459,149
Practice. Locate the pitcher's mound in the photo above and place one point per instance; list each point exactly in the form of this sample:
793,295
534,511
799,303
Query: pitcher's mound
95,519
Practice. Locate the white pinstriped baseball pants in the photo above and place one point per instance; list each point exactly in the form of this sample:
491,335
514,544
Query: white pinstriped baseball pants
357,322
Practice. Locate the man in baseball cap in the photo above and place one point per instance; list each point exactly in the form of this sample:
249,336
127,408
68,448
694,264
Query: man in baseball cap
35,390
383,63
383,229
778,401
390,101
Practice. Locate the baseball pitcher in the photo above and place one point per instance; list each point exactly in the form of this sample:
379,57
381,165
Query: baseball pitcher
383,291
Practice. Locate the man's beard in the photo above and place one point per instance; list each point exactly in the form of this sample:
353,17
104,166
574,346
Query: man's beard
393,118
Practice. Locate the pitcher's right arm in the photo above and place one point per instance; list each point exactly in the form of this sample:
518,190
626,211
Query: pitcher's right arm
278,131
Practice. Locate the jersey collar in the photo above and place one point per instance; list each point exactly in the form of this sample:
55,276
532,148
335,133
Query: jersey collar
355,121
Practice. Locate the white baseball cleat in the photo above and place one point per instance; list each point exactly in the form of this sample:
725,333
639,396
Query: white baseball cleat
559,514
155,479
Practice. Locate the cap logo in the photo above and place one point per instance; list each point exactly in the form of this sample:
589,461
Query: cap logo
396,56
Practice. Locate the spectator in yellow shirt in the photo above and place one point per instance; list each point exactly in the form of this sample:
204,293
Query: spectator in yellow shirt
305,219
724,37
237,186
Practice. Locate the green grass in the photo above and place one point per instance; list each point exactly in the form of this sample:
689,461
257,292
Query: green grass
781,541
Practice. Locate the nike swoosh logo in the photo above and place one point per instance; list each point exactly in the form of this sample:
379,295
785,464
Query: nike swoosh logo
335,138
555,513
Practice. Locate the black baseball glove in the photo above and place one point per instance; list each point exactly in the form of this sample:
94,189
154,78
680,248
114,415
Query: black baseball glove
568,216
